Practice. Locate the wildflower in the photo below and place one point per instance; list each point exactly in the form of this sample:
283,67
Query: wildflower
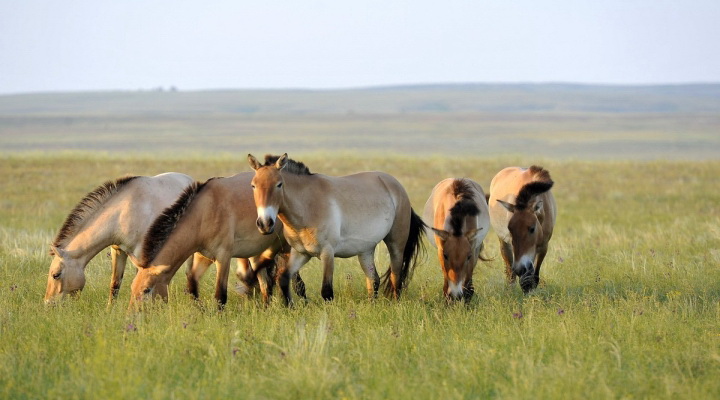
235,351
130,327
13,287
560,311
185,325
518,315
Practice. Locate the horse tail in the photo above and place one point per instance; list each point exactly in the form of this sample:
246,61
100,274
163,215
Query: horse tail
414,249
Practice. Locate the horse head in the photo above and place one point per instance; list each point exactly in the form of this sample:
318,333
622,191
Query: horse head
66,275
526,230
457,260
268,191
148,283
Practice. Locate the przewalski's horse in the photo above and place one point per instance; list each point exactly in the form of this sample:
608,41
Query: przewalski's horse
117,214
458,215
522,212
327,217
215,218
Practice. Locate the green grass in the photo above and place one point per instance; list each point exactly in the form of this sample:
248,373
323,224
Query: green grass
628,305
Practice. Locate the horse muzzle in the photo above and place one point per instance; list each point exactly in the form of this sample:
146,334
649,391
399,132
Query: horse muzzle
265,226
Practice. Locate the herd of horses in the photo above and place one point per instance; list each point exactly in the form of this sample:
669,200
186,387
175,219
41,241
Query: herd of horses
277,217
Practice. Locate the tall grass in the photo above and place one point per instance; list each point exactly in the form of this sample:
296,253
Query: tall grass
628,305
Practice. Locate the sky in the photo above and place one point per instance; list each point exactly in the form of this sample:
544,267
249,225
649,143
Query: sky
81,45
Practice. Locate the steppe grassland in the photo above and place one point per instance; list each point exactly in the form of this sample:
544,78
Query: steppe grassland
628,305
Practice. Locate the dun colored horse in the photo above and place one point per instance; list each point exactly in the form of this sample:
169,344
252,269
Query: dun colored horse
216,219
116,214
457,213
328,217
523,212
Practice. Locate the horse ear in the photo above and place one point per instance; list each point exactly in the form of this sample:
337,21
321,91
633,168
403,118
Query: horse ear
56,251
254,163
508,206
471,234
537,207
281,162
444,235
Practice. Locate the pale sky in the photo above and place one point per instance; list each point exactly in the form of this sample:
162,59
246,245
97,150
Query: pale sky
53,45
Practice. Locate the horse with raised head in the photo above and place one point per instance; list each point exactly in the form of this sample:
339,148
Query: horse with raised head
117,214
217,219
458,217
327,217
523,213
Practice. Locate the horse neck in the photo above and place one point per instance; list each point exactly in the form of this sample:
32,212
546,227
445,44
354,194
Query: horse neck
94,236
293,209
184,240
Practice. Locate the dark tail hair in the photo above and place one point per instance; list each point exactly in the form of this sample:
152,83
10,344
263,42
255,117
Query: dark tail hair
414,249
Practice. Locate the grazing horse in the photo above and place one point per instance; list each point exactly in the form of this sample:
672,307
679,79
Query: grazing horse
457,213
523,212
117,214
215,218
327,217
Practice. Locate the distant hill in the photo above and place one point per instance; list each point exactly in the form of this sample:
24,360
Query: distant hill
524,120
494,98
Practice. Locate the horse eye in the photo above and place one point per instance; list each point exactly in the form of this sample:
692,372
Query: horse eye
445,256
56,275
252,186
147,290
279,184
532,229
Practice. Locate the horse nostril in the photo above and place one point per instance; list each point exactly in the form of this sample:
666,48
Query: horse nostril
259,223
271,223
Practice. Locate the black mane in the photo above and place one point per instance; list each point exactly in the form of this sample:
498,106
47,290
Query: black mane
464,207
292,166
530,190
87,207
164,224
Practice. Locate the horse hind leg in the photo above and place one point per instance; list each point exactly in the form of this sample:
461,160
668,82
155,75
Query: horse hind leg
118,262
372,279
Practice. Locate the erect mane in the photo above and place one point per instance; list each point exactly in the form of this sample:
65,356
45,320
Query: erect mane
164,224
292,166
88,206
464,207
541,183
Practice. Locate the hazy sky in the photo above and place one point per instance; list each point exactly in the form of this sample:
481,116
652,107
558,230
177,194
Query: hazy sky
51,45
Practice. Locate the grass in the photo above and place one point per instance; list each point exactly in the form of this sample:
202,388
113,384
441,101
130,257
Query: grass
628,305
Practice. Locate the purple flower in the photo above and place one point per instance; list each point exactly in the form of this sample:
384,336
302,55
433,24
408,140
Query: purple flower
518,315
235,351
185,325
130,327
561,311
13,287
560,259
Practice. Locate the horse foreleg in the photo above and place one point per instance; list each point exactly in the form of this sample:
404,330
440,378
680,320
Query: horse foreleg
507,256
221,280
540,257
245,275
118,261
296,261
327,258
197,265
372,279
260,267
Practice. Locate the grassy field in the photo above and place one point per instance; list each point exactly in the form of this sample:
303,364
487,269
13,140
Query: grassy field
628,305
